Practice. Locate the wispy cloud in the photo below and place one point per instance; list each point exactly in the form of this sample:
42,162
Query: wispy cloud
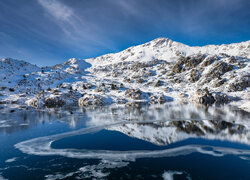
86,28
57,9
76,27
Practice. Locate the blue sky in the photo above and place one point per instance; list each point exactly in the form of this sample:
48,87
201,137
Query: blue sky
47,32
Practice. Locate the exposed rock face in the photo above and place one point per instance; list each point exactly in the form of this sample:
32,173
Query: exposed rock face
209,60
133,94
204,97
221,98
186,63
91,100
219,68
158,83
87,86
53,102
219,83
54,98
240,85
158,99
194,75
178,68
34,102
208,98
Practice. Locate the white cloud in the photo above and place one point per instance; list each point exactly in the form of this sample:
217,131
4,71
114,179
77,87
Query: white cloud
77,29
57,9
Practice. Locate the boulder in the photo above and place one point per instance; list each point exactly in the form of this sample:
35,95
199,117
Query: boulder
91,100
207,98
161,99
133,93
53,102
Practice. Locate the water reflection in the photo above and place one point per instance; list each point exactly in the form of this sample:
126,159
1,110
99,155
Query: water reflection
160,125
13,120
170,131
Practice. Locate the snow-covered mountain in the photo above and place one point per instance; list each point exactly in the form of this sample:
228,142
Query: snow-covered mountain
158,71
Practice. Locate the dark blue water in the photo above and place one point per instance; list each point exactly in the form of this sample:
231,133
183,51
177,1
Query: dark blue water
156,142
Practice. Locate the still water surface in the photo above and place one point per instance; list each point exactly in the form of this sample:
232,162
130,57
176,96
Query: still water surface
170,141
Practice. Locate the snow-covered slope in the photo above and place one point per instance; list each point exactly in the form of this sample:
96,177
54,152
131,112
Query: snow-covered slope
158,71
13,70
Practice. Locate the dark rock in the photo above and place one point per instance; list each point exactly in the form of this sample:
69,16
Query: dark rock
194,75
91,100
204,97
178,68
140,80
186,63
219,69
87,86
219,83
209,61
11,89
158,83
233,59
133,93
53,102
113,87
241,85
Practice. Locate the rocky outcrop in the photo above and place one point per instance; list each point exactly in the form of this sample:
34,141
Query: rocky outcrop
194,75
242,84
219,83
209,60
133,94
54,102
218,69
187,63
208,98
158,99
91,100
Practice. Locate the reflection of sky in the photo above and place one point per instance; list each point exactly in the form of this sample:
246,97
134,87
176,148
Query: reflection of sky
51,31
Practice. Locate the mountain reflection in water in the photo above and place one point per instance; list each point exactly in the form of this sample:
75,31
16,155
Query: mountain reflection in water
118,137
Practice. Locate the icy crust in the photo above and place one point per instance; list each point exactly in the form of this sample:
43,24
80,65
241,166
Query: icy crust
155,72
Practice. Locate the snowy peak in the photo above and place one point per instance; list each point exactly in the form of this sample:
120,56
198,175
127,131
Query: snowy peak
158,71
168,50
73,65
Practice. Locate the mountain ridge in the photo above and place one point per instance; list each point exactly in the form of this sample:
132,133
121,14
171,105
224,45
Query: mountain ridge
155,72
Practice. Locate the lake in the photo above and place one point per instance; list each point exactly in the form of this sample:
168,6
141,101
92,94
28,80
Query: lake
170,141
